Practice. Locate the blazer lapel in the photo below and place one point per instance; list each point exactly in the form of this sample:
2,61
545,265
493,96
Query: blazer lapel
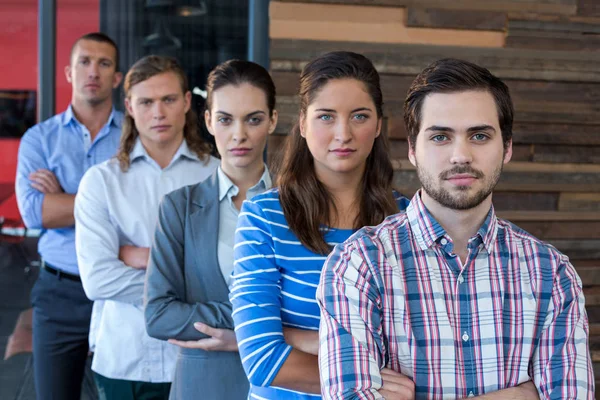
204,223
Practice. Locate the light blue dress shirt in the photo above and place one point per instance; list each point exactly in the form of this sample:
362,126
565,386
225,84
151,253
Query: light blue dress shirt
113,209
62,145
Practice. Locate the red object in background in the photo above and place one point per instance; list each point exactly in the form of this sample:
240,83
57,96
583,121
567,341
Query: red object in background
19,65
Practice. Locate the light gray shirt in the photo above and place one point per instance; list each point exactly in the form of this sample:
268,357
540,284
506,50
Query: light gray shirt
113,209
228,216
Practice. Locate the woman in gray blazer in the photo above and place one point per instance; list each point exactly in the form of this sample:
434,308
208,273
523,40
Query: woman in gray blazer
186,293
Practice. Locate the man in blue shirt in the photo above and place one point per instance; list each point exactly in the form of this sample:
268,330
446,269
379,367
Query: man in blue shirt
53,156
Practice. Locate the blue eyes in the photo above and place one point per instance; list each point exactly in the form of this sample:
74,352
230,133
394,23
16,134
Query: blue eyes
478,137
254,121
356,117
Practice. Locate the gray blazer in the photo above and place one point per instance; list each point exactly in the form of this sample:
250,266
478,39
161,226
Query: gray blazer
184,284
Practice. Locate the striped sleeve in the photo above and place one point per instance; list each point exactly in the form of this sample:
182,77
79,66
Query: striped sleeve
350,334
256,297
561,363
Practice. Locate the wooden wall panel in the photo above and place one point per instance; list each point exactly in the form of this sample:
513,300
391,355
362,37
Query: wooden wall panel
546,51
559,7
410,59
455,19
354,23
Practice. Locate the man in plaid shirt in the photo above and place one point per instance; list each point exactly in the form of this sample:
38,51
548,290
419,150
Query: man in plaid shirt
447,301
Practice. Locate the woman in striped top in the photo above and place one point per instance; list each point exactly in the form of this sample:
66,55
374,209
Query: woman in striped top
336,177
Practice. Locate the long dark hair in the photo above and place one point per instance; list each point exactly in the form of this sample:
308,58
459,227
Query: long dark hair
306,202
145,69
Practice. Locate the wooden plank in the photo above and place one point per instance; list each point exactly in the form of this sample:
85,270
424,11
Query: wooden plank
561,229
408,59
588,8
563,7
590,276
555,111
566,154
523,201
584,263
581,248
538,40
455,19
523,177
553,23
562,216
566,92
579,202
407,180
592,297
352,23
557,134
286,83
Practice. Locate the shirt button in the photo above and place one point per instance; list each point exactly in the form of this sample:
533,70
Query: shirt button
461,279
444,241
465,337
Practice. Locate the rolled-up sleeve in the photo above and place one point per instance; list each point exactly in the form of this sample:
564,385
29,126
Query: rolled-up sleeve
351,351
561,363
103,275
167,315
30,159
256,298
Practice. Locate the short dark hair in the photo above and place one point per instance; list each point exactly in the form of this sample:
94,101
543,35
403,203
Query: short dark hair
237,72
98,37
451,75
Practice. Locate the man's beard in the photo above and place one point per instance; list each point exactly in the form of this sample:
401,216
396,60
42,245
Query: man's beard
461,200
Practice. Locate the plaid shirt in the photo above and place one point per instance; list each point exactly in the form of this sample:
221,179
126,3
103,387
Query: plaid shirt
397,296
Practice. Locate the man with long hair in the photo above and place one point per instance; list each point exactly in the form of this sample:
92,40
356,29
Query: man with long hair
446,300
116,210
53,156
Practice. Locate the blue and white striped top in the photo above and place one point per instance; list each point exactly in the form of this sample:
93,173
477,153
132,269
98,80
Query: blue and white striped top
274,285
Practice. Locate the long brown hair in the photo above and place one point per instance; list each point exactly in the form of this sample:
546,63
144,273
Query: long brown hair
145,69
305,201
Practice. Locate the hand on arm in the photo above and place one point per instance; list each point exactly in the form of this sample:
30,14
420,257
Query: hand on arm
167,314
303,340
256,298
351,331
135,257
525,391
218,339
396,386
57,206
562,365
103,275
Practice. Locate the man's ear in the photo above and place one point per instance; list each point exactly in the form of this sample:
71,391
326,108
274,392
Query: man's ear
128,106
508,152
117,78
411,154
68,74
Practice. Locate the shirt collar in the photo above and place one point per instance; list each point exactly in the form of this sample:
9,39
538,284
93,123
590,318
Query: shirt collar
428,231
115,119
228,189
139,151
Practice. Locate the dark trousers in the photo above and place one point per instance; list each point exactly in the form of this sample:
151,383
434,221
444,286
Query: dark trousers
118,389
61,324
